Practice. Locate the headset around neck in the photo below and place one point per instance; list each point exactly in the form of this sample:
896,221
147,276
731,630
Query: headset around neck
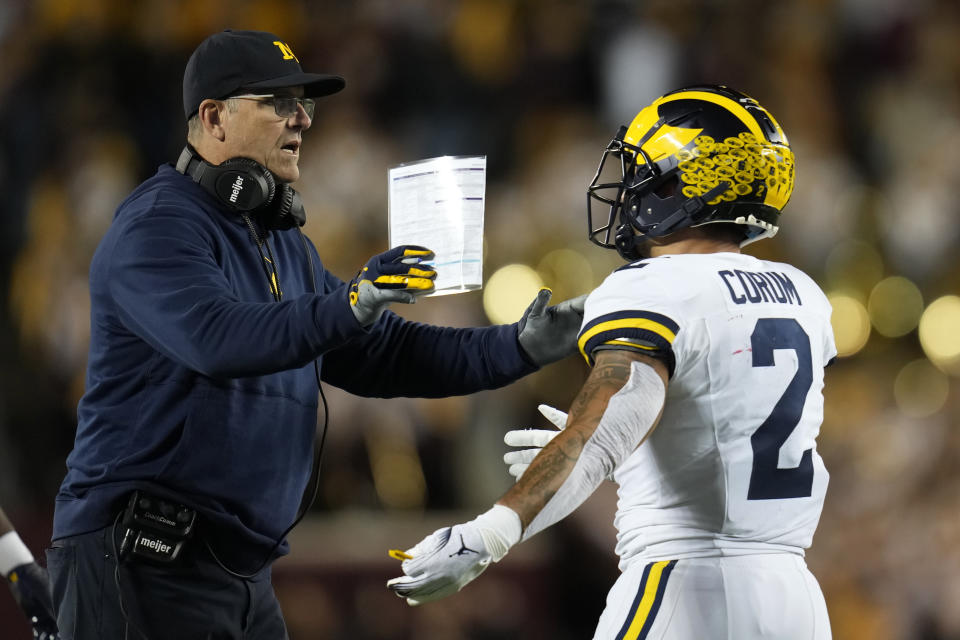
245,186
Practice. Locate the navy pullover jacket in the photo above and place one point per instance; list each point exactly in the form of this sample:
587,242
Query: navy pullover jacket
201,387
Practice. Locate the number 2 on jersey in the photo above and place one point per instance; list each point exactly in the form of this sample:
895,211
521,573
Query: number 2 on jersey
768,481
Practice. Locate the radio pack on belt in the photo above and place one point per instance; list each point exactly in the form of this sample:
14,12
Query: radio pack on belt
155,528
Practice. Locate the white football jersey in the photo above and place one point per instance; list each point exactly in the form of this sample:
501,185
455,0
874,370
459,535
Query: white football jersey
732,467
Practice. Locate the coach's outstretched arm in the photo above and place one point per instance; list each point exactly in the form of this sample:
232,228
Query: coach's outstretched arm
617,408
397,357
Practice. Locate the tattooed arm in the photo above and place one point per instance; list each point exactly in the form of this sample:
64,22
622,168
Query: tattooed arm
618,407
627,422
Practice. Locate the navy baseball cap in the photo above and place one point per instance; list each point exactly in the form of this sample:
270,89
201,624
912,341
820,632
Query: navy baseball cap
231,61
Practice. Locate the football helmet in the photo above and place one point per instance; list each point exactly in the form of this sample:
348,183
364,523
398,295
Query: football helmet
696,156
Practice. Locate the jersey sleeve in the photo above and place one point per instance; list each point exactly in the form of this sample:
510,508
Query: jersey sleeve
823,311
629,311
829,343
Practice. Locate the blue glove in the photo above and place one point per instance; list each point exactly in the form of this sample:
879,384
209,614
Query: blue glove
31,589
549,334
397,275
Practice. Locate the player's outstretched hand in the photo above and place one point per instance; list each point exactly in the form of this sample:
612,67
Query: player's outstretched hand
448,559
31,589
441,564
397,275
548,334
533,440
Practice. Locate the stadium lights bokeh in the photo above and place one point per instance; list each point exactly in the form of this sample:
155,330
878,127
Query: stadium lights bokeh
939,333
568,273
895,307
853,266
920,389
509,291
851,323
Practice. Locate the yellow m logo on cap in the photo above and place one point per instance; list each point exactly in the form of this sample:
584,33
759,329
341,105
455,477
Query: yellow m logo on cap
286,51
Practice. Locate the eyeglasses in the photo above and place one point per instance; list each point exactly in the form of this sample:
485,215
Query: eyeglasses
284,106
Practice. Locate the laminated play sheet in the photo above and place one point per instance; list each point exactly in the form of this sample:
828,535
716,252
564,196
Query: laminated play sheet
438,203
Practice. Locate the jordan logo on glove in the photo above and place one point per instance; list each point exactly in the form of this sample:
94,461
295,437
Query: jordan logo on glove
464,549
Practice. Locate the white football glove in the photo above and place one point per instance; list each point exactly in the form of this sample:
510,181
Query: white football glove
518,461
448,559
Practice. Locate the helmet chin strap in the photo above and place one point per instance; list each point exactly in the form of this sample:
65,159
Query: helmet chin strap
690,208
626,245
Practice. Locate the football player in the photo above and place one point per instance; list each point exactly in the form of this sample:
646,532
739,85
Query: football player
704,400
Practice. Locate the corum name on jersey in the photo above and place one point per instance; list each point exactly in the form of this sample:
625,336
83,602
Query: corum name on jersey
759,286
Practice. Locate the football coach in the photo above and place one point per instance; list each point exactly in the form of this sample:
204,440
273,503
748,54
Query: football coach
213,320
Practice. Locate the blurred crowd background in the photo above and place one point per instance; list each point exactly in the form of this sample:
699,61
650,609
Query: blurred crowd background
867,90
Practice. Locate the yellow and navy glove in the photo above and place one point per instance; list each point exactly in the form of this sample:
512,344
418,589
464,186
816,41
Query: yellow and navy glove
31,590
397,275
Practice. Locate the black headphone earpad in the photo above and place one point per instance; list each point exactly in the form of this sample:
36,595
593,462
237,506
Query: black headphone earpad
279,214
287,211
241,183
